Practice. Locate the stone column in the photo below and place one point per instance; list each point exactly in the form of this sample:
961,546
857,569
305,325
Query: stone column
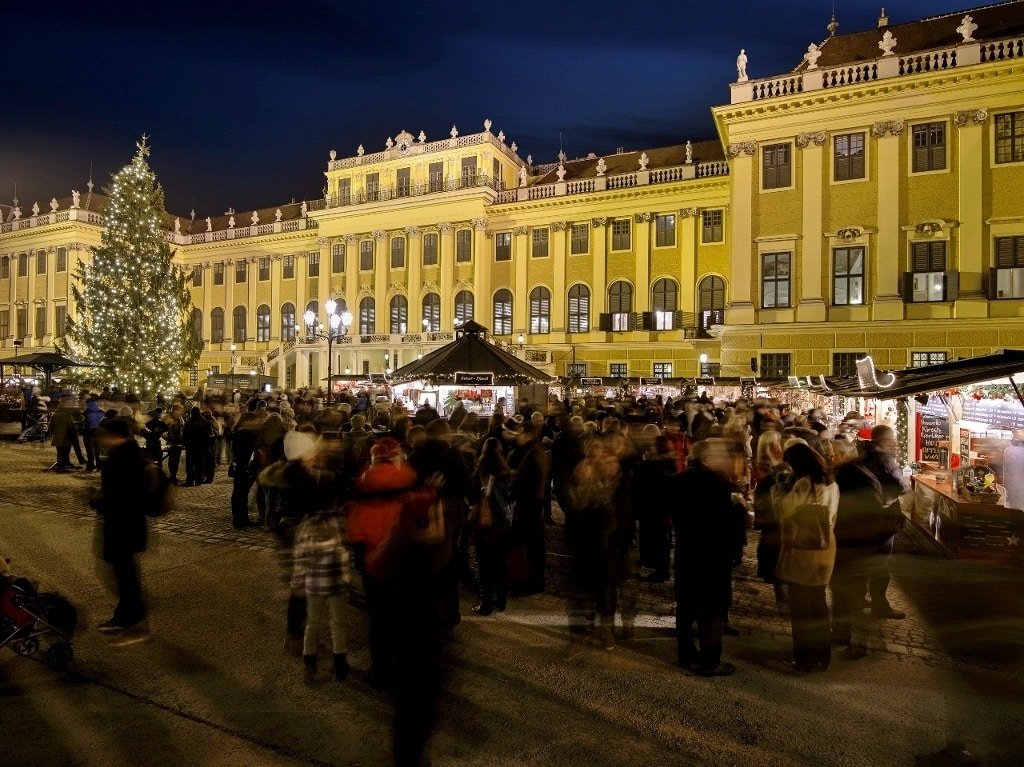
323,282
447,261
380,280
599,249
276,302
887,257
740,309
811,307
300,294
30,301
414,260
482,299
520,294
51,290
251,305
642,249
352,273
559,317
688,259
973,265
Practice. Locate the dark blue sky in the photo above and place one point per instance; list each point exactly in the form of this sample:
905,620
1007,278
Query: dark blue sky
243,100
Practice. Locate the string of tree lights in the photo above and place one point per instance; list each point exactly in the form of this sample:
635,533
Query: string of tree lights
133,303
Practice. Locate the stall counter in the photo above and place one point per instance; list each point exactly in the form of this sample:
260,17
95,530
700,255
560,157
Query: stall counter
964,528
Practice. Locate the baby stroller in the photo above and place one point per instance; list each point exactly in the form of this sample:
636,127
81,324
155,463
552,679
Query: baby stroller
38,429
29,618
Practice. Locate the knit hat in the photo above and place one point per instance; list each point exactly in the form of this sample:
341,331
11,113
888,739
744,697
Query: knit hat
298,444
384,450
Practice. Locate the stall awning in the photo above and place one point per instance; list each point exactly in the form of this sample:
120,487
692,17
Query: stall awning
920,380
471,352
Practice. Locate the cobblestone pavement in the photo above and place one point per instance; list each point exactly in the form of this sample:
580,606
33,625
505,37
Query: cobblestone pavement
202,514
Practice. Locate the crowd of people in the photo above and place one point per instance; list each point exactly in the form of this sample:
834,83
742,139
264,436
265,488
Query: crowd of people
407,505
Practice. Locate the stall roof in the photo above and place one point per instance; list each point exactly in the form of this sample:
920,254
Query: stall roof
920,380
471,352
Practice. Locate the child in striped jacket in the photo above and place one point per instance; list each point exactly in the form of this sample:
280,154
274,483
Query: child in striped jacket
322,570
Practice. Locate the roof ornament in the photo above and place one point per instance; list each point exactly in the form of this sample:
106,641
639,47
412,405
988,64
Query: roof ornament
209,224
883,20
689,152
741,66
255,219
812,56
561,155
54,204
887,43
602,166
360,151
644,159
487,125
231,222
389,143
967,29
513,146
35,209
454,132
76,197
277,214
561,172
833,25
333,154
501,136
177,226
529,160
522,176
422,137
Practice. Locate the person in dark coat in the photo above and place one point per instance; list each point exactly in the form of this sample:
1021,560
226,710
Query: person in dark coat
705,548
879,458
198,436
61,426
860,531
91,423
529,463
121,507
244,438
152,433
650,491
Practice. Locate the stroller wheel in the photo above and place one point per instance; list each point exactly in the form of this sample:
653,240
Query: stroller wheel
25,647
59,655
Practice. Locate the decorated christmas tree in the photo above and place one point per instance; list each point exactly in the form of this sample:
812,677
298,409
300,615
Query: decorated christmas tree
134,307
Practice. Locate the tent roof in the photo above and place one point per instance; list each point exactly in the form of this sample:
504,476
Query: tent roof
920,380
45,360
470,352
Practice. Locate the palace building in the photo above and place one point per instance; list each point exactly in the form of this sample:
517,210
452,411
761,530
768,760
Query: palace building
867,202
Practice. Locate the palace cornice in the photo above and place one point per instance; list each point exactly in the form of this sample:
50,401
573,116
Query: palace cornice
951,78
251,242
779,238
47,229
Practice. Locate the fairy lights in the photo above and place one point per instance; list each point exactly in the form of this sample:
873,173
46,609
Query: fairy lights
134,307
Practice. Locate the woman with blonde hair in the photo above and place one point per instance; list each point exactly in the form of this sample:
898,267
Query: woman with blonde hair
767,471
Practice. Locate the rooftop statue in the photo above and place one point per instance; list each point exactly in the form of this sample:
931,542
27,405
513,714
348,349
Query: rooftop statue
741,66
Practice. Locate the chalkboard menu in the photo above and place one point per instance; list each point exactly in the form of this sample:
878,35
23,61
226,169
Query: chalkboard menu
997,413
934,428
965,448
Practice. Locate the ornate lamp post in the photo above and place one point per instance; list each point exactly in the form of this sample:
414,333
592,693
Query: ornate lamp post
336,329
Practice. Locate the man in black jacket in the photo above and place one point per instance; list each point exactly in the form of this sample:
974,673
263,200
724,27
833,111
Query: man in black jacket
121,506
198,437
879,458
705,549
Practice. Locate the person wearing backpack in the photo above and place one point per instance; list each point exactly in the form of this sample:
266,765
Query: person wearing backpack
124,497
807,517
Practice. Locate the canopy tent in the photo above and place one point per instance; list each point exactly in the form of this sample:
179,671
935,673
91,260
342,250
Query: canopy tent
920,380
470,352
46,362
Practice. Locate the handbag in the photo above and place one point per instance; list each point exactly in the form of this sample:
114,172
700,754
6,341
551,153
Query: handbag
480,515
809,527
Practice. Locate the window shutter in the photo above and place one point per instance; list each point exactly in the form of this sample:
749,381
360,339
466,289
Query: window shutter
992,284
647,321
907,287
678,320
604,323
632,320
857,166
1005,251
952,278
920,158
938,257
919,257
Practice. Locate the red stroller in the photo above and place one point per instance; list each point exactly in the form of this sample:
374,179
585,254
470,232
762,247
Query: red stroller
29,619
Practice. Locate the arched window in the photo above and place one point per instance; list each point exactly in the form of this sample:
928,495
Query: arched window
540,310
502,313
217,326
579,309
399,315
197,325
432,313
463,307
314,307
263,323
620,304
367,317
710,303
238,325
664,302
288,322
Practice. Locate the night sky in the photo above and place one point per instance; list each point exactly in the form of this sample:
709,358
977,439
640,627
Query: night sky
243,100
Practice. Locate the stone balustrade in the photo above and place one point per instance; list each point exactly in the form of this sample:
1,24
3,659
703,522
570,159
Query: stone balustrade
883,67
52,217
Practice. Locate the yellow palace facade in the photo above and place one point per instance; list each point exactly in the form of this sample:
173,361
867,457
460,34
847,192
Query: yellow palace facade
869,201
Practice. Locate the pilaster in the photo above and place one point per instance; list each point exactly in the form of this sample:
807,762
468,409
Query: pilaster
520,263
688,259
887,304
414,253
599,247
740,309
483,300
973,264
559,234
381,265
276,303
643,261
446,257
811,307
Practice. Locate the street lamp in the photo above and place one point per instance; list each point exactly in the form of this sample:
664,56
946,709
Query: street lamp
703,363
337,328
234,361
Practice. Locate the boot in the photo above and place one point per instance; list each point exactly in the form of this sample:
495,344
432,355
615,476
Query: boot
309,663
341,668
293,644
628,628
604,636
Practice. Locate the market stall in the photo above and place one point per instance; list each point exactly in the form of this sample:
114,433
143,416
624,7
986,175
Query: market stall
960,428
473,370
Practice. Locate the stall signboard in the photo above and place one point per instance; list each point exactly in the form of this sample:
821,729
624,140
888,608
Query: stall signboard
965,448
748,387
934,429
652,381
998,413
591,382
474,379
704,381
